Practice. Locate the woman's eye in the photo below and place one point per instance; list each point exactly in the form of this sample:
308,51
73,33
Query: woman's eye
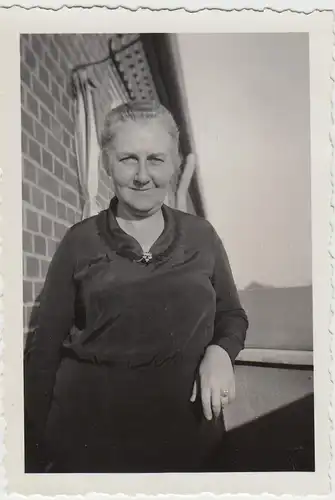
128,160
155,160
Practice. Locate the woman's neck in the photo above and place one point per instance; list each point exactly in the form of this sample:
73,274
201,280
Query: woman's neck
127,214
145,230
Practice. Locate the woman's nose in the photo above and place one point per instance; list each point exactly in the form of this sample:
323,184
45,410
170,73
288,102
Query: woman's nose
142,175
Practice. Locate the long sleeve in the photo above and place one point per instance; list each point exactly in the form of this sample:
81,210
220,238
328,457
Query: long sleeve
54,320
231,322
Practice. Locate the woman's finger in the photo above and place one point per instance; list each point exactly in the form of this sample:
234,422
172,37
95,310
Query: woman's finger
194,392
225,398
206,402
216,401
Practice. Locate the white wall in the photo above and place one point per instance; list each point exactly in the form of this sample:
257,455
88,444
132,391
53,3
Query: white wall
248,98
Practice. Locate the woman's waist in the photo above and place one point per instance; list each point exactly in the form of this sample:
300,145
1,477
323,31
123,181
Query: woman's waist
119,385
135,346
94,355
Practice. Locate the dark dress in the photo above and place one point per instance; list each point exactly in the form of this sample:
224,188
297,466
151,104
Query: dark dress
110,368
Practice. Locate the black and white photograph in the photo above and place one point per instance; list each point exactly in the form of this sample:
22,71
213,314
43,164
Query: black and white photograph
169,287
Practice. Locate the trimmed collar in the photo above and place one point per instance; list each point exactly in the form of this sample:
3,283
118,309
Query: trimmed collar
127,246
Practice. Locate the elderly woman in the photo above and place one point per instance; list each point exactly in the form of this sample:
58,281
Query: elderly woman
139,324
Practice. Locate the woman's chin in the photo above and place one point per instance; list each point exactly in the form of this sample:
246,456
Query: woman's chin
144,204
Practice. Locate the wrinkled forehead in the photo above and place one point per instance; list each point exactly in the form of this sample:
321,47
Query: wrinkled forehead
150,135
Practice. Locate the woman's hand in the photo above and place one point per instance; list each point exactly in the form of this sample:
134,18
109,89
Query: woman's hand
217,381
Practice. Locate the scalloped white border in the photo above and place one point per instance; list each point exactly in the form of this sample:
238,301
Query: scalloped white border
302,6
158,484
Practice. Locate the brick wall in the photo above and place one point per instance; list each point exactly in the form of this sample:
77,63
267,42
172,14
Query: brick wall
50,190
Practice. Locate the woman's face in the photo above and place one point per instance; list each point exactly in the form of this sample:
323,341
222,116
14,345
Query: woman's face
142,162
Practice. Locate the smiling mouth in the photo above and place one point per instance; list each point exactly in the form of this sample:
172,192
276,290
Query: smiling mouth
140,190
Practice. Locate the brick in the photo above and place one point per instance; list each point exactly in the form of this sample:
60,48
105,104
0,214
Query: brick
30,58
51,206
27,291
59,230
78,216
35,151
32,267
61,211
47,161
37,198
43,76
40,246
25,74
53,50
27,122
64,65
46,118
29,171
39,133
55,91
56,128
32,104
60,79
65,120
24,142
69,196
43,95
25,192
66,139
37,45
54,70
66,103
52,247
31,220
56,148
44,265
47,182
23,96
38,287
27,241
50,64
24,37
46,226
60,41
71,216
73,161
71,179
59,170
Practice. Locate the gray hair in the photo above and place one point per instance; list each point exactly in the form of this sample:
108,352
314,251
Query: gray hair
136,111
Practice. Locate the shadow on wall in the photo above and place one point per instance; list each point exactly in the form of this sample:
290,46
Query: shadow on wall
280,318
282,440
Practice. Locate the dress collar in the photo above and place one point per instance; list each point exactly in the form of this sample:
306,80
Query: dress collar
127,246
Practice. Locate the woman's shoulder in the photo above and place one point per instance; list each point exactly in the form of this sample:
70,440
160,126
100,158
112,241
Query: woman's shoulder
83,232
192,223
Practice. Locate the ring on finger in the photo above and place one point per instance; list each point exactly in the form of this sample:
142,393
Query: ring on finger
224,397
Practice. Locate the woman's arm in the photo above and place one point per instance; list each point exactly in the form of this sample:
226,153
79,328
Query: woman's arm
54,320
231,322
217,380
